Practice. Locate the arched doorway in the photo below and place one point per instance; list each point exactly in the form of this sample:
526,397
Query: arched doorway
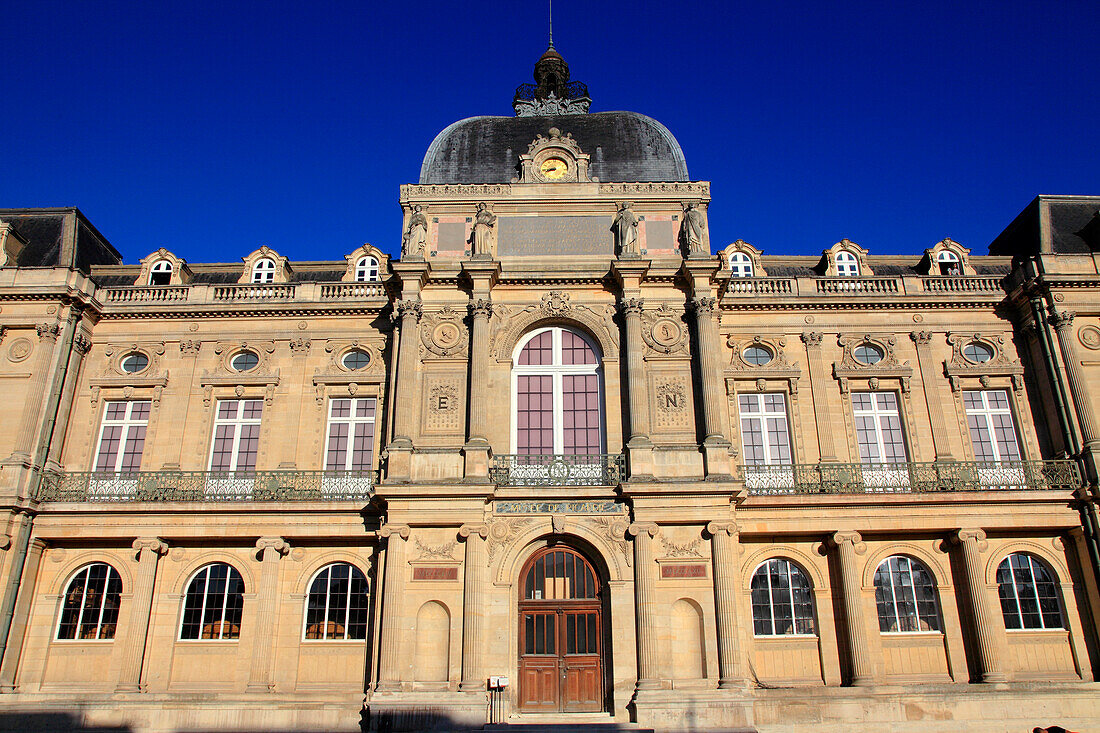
561,641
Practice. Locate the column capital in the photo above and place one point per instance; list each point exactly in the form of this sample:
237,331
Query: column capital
729,528
1061,320
276,544
154,545
974,536
481,308
48,331
921,338
401,530
631,306
855,539
81,344
812,339
704,306
638,528
410,307
481,529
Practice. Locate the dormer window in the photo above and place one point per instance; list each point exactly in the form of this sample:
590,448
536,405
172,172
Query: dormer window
847,265
366,270
263,271
740,265
948,263
161,273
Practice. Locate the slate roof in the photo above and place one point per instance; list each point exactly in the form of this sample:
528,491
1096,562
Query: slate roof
625,147
1066,219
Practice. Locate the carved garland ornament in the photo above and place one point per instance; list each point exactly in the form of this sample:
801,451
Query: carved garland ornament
888,367
503,530
999,365
508,323
443,334
663,330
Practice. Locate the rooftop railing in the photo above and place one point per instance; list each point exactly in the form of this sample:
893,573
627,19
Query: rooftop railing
201,293
907,478
585,469
195,486
739,287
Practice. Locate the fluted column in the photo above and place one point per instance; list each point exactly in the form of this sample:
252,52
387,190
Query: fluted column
709,367
271,549
409,311
389,678
81,345
926,360
149,551
473,607
848,545
644,592
1079,387
723,550
986,617
818,381
36,389
477,444
23,601
639,406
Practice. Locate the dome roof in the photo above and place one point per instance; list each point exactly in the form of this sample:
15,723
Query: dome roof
626,147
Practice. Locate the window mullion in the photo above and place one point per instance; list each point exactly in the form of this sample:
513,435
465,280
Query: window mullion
83,599
103,602
559,412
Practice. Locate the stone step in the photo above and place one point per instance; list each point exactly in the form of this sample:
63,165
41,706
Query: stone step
551,722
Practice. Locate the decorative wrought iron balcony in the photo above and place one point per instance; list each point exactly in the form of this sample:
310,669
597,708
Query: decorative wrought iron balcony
904,478
579,469
192,486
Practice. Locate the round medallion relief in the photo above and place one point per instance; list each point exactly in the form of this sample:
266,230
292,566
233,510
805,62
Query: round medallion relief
445,335
1089,336
20,349
666,332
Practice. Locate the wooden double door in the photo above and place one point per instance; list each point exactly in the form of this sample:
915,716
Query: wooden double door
560,634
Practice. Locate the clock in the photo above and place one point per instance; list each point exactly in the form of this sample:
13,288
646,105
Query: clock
553,168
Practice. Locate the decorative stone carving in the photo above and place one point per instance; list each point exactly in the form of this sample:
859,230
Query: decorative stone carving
686,549
665,187
887,367
663,330
482,240
670,396
443,334
444,551
453,190
444,404
614,529
190,347
1089,336
409,306
300,346
1000,365
557,158
508,323
19,349
704,306
503,530
556,304
693,232
48,331
625,228
481,308
416,235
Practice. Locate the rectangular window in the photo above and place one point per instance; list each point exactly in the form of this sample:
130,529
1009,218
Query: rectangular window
351,434
236,435
878,427
122,436
764,434
992,427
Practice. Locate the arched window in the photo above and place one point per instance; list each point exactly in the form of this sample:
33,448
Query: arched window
161,273
213,603
1029,598
905,594
740,265
263,271
781,599
366,270
89,609
948,262
847,265
558,391
337,605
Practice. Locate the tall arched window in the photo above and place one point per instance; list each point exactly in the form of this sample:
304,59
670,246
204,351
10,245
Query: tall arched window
740,265
263,271
905,594
558,394
213,603
89,609
782,602
847,264
337,605
948,262
366,270
161,273
1029,597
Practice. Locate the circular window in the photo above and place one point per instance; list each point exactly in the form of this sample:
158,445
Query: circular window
244,361
867,354
757,355
978,353
134,362
356,359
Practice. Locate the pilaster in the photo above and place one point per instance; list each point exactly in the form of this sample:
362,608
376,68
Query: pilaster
23,602
818,379
36,389
941,440
1079,388
644,600
260,678
639,446
724,551
389,678
148,553
473,607
989,625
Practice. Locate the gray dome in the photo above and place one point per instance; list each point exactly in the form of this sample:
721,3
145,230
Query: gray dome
626,147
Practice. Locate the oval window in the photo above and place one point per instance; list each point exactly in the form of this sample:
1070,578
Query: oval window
867,354
134,362
978,353
756,355
244,361
356,359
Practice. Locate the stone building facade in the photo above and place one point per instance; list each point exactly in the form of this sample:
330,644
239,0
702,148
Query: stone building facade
566,457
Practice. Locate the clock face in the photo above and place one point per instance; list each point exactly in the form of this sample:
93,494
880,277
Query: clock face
553,168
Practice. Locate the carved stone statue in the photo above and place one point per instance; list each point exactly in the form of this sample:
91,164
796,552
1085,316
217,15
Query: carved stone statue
625,227
692,230
416,236
482,239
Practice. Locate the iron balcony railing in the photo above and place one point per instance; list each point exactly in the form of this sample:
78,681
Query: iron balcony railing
573,469
189,486
904,478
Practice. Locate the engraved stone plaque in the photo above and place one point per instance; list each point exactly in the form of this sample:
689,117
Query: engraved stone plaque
694,570
554,235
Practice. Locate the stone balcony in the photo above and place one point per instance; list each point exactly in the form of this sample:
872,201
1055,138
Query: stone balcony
587,469
269,293
796,287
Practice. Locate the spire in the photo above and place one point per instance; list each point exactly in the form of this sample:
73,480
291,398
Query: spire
551,3
552,93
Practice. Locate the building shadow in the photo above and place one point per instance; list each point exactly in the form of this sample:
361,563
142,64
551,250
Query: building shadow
52,722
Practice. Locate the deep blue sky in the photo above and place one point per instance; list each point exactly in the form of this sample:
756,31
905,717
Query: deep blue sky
214,128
